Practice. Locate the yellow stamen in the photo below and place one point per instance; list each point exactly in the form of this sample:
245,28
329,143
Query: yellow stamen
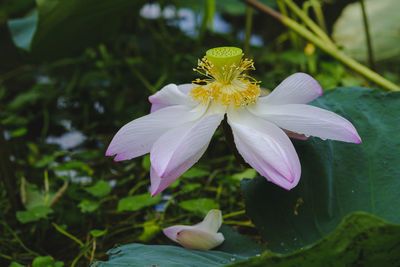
225,81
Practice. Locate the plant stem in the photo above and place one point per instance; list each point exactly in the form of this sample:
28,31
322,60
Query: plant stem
249,22
319,14
371,61
235,213
62,231
309,22
333,51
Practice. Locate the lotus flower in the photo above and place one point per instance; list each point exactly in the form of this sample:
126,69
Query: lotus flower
202,236
184,118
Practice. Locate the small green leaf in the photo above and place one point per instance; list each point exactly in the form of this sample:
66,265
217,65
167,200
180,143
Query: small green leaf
134,203
23,29
248,173
100,189
201,206
73,165
33,214
195,172
190,187
15,264
97,233
150,230
18,132
46,261
88,206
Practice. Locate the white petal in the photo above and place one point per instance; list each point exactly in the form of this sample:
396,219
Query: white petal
185,88
137,137
177,145
198,239
212,222
266,148
298,88
171,95
158,184
309,120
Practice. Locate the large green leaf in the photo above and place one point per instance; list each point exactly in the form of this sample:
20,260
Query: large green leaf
63,28
337,178
235,247
361,240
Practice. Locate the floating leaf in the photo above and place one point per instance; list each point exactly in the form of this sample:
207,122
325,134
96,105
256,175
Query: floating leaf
235,247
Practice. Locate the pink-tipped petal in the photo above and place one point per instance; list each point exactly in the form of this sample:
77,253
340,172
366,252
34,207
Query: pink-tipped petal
310,121
170,95
158,184
266,148
172,231
177,145
137,137
198,239
298,88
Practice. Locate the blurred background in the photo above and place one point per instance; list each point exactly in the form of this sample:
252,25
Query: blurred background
73,72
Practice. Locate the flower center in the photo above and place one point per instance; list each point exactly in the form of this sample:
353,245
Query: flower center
226,81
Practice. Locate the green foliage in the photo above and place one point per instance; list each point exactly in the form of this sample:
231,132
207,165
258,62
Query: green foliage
34,214
52,32
337,178
201,206
100,189
97,233
137,202
46,261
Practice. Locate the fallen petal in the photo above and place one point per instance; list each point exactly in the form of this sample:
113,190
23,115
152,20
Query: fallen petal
202,236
